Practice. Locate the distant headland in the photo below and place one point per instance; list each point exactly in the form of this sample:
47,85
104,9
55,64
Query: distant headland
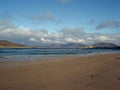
9,44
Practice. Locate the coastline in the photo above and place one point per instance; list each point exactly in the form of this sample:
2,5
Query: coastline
94,72
27,58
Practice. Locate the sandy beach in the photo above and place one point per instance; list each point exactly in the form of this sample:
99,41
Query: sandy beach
97,72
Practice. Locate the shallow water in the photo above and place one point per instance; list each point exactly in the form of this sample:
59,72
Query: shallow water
23,54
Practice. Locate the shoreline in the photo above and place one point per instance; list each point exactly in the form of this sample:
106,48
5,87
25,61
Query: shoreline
27,58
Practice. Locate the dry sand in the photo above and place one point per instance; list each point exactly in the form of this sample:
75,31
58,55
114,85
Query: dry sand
99,72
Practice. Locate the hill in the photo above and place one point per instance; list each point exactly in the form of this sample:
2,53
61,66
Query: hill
105,45
9,44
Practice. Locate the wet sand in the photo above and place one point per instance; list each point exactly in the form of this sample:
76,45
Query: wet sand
98,72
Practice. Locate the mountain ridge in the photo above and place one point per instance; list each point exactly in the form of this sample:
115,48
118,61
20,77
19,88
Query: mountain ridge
104,44
9,44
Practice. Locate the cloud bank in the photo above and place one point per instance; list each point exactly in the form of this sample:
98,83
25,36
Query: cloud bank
66,35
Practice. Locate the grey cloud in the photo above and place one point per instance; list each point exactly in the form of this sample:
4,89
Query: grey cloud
48,16
4,24
107,24
71,32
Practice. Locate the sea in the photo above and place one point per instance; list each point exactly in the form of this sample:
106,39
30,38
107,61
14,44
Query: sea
26,54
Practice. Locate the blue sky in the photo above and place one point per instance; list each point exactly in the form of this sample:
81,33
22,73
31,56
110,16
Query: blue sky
93,16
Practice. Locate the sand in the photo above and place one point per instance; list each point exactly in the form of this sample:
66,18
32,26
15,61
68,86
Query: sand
98,72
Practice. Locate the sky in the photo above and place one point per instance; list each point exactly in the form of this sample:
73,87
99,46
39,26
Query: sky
33,22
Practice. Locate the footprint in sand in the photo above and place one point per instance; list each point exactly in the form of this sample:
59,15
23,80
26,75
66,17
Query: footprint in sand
118,78
117,57
93,76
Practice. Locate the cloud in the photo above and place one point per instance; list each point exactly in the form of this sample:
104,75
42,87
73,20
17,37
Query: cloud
72,32
48,16
6,25
108,24
65,1
70,40
66,35
103,38
33,40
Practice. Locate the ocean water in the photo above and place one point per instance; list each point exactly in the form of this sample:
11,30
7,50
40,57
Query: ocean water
22,54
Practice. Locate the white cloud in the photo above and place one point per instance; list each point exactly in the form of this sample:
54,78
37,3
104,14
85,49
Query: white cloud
103,38
81,41
33,40
70,40
45,40
66,35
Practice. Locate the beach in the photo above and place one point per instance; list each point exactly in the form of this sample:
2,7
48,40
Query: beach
95,72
